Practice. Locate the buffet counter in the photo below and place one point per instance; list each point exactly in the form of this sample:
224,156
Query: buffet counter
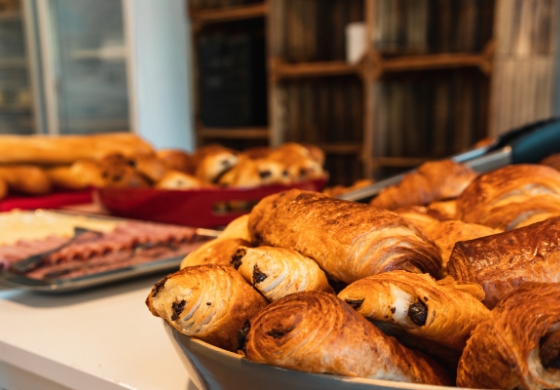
97,339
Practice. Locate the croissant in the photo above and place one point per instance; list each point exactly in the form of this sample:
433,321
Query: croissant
277,272
217,251
433,181
446,233
511,197
501,262
317,332
348,240
418,304
237,228
209,302
517,346
420,216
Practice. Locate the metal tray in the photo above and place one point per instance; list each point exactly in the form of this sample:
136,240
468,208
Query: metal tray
63,285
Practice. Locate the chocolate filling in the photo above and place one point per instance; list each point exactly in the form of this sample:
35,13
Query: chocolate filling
355,303
236,258
158,286
242,335
177,308
258,275
265,174
418,313
549,351
278,333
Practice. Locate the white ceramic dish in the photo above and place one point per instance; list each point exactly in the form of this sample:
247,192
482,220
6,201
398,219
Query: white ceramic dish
212,368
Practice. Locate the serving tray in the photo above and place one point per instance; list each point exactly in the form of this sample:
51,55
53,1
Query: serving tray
11,279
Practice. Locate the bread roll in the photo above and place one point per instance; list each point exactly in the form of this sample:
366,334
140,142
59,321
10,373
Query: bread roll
446,233
177,160
419,305
213,161
26,179
175,180
433,181
65,149
209,302
511,197
119,171
348,240
317,332
517,346
277,272
501,262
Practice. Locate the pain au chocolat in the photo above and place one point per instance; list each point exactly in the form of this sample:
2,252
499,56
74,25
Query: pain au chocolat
511,197
501,262
210,302
348,240
317,332
417,304
517,346
277,272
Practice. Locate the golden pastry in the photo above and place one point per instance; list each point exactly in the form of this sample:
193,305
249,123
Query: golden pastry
501,262
433,181
209,302
217,251
518,345
417,304
277,272
511,197
348,240
317,332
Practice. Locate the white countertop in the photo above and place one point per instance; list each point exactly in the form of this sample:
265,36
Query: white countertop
103,338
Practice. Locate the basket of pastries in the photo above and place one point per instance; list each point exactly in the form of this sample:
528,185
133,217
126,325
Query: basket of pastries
206,188
450,278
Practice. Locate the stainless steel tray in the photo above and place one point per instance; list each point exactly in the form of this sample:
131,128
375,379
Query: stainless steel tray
63,285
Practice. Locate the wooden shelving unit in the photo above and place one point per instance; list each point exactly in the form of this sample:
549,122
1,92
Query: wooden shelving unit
425,89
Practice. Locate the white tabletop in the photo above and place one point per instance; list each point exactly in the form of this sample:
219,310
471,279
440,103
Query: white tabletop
97,339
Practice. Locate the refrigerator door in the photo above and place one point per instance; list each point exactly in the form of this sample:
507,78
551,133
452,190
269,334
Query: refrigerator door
85,57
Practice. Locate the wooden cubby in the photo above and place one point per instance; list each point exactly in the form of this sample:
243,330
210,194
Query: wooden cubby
436,77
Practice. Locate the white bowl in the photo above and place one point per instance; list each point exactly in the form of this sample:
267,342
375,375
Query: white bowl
212,368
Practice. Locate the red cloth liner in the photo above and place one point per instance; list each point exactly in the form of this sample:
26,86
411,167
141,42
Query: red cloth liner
50,201
187,207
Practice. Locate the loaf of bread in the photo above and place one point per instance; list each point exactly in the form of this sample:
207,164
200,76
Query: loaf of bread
317,332
517,346
209,302
501,262
433,181
348,240
511,197
59,150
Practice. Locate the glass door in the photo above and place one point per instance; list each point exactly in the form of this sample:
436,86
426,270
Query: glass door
85,55
16,103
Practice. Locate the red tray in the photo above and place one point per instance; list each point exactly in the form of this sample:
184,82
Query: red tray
50,201
189,207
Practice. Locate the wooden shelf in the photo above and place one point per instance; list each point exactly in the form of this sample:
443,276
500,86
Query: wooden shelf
13,62
433,61
398,162
10,16
228,14
342,148
234,132
312,69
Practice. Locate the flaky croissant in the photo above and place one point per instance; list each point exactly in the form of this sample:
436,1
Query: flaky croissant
317,332
517,346
446,233
501,262
511,197
348,240
277,272
433,181
418,304
209,302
